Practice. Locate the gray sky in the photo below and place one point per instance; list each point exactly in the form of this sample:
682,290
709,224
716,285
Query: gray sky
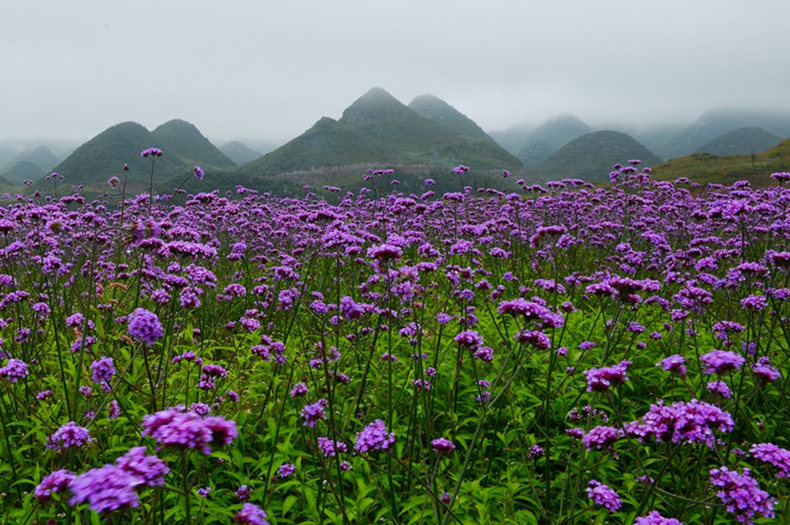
269,69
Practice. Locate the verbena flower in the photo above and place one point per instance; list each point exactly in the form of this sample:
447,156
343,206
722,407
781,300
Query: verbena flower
442,446
285,470
682,422
102,370
720,361
374,437
14,370
151,152
144,326
69,435
742,494
776,456
600,379
604,496
314,413
655,518
149,469
251,514
674,363
106,489
58,481
182,429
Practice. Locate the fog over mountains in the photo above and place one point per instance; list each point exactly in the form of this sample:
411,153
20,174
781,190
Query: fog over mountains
426,137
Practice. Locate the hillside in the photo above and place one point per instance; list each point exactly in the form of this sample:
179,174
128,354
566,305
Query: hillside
705,168
447,116
377,130
549,137
186,140
741,141
717,122
104,155
514,137
22,171
591,157
239,152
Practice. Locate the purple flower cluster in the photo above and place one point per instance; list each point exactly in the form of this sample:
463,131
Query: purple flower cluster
604,496
674,363
776,456
720,361
178,428
56,482
102,370
314,413
600,379
655,518
14,370
252,515
374,437
69,435
681,422
742,494
601,437
442,446
106,489
144,326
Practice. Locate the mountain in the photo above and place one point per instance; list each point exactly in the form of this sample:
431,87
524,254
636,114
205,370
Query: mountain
591,157
447,116
513,138
239,152
741,141
187,141
549,137
378,131
717,122
104,155
30,165
22,171
704,168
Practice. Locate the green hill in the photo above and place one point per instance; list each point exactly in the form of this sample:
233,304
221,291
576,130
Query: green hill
22,171
514,137
549,137
591,157
447,116
741,141
187,142
705,168
104,155
379,131
717,122
239,152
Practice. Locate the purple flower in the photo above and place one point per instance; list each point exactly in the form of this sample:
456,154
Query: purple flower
14,370
243,493
149,469
460,169
203,492
720,361
299,389
151,152
69,435
600,379
742,495
601,437
674,363
178,428
654,518
770,453
682,422
313,413
102,370
330,448
58,481
374,437
603,495
720,388
198,171
251,514
442,446
106,489
285,470
763,369
144,326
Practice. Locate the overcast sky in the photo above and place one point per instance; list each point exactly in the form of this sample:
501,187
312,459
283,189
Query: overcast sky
269,69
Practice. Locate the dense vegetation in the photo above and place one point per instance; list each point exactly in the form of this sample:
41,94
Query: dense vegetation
563,354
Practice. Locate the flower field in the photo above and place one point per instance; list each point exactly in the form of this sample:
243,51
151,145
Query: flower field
567,354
